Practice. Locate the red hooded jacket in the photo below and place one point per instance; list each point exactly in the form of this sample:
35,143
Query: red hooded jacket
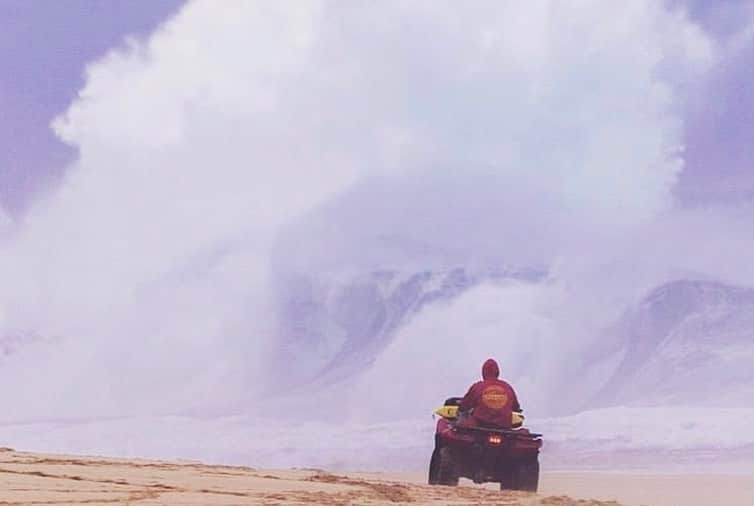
492,400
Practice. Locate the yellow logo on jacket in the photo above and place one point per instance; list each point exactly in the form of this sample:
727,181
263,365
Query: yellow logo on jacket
495,397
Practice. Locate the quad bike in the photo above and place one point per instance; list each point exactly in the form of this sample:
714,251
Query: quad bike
507,456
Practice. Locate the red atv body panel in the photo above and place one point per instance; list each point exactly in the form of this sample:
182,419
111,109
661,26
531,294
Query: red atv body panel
514,444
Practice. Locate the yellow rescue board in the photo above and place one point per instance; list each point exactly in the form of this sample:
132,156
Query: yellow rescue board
451,412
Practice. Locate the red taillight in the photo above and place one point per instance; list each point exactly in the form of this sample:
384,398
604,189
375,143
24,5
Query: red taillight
495,440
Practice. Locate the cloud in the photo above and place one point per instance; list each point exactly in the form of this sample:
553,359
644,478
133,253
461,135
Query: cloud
202,146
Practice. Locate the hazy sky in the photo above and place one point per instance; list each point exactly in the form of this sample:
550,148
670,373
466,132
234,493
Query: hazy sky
323,137
44,47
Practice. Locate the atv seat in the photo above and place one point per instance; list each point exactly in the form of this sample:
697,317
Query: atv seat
450,411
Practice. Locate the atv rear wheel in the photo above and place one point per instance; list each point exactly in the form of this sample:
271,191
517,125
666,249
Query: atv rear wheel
525,476
433,467
446,469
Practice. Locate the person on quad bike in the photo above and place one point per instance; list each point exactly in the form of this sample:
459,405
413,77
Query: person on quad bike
490,402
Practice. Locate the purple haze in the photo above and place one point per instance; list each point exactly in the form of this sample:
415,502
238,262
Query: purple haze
224,221
44,47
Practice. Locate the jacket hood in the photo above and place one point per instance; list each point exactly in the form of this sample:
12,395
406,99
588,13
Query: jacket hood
490,369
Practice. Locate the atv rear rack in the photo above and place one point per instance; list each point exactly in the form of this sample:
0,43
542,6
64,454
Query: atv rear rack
503,432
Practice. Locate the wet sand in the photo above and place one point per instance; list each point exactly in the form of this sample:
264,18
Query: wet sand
29,479
633,489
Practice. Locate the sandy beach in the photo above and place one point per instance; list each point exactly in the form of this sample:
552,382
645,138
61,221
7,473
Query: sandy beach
28,479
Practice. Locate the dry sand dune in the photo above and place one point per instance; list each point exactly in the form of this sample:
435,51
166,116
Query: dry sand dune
32,479
28,479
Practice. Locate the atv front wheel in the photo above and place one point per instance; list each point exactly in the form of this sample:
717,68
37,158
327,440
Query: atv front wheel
447,471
